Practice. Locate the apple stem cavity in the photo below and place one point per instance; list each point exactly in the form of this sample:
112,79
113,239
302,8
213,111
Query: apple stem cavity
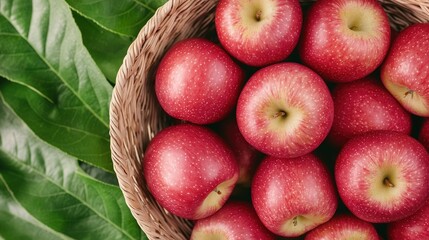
280,114
295,221
258,15
409,92
354,26
388,183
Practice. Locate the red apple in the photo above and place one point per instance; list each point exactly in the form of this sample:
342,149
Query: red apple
344,40
344,227
234,221
285,110
189,170
248,157
405,72
424,133
293,195
197,81
258,32
365,105
413,227
383,176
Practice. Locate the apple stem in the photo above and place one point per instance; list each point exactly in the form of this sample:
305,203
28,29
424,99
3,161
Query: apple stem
279,114
258,15
217,191
295,221
409,92
354,28
387,182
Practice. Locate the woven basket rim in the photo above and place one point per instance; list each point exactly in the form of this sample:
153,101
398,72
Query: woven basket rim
127,137
149,215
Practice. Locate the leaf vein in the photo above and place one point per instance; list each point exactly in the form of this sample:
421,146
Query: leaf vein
70,193
60,77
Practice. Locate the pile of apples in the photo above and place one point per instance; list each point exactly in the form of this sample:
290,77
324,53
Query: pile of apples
294,122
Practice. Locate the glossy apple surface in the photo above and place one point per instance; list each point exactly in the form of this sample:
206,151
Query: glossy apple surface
405,72
344,40
293,195
197,81
344,227
189,170
248,158
365,105
258,32
234,221
383,176
413,227
285,110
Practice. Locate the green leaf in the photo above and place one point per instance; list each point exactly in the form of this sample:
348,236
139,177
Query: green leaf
59,91
70,129
17,223
108,28
52,188
108,49
98,173
125,17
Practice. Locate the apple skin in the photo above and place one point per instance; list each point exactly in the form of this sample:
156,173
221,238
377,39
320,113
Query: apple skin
424,133
365,105
189,170
248,158
413,227
382,176
258,32
234,221
344,226
405,72
197,81
293,195
344,40
285,110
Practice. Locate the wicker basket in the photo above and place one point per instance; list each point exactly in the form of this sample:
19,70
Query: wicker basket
135,116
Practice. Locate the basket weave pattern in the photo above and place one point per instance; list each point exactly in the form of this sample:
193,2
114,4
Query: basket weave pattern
135,115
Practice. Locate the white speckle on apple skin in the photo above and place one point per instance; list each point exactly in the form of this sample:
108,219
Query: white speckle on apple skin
335,52
365,105
235,221
284,188
259,43
344,227
407,66
397,156
197,81
292,88
248,157
413,227
183,164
